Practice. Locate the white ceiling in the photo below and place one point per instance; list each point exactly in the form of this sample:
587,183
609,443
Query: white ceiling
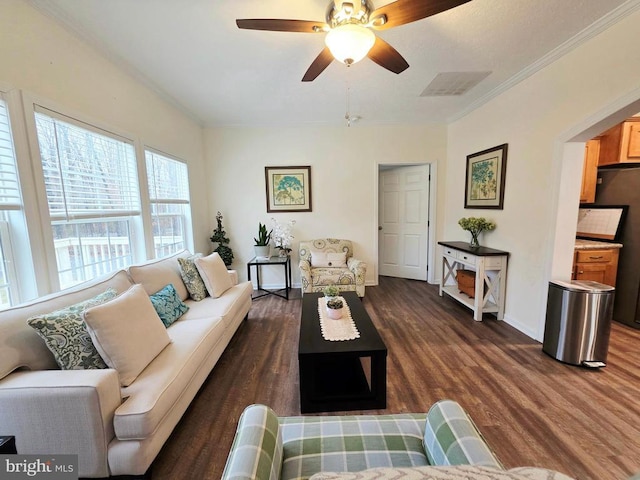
192,53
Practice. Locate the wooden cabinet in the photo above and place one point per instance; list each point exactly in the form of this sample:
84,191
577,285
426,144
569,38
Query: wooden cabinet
621,144
597,265
590,171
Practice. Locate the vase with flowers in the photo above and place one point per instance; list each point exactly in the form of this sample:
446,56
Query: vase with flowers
282,236
475,226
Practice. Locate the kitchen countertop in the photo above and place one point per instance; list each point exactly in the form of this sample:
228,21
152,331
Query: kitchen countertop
594,244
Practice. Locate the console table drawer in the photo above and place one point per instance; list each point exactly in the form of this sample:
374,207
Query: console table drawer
466,257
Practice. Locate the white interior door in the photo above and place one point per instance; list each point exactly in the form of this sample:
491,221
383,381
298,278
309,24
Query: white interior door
403,194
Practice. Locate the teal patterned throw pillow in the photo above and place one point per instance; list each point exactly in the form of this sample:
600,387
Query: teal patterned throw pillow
66,335
168,305
191,277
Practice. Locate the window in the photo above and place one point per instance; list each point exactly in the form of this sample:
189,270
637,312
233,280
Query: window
10,201
92,191
169,196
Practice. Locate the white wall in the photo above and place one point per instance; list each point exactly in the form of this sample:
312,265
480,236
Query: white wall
42,59
536,118
344,168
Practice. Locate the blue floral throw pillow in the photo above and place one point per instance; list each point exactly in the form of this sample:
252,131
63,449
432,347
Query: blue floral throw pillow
168,304
66,335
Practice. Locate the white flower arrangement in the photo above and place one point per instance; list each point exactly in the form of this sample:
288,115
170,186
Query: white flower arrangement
282,235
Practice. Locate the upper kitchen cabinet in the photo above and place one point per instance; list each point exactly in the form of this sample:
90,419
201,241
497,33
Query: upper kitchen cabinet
621,144
590,171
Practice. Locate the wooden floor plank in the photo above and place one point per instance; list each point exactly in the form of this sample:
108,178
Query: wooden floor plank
531,409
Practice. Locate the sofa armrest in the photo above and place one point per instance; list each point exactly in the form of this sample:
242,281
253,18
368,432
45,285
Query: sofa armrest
451,438
234,276
256,451
62,412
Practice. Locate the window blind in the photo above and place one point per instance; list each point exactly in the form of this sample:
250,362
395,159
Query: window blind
168,179
10,198
87,174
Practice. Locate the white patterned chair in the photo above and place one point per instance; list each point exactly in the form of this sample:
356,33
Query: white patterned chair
329,261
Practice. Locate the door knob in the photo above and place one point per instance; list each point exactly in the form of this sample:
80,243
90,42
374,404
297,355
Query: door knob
379,227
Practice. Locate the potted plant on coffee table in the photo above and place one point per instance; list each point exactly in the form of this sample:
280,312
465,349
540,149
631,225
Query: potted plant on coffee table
262,247
334,308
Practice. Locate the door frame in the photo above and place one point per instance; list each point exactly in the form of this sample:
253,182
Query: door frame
431,216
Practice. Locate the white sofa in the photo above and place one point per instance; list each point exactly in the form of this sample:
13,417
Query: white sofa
115,430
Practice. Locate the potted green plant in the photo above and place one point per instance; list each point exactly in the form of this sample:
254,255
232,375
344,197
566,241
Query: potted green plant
330,291
475,226
220,237
262,247
334,308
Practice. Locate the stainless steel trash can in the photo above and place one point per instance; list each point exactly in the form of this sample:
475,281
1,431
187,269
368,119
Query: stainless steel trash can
578,322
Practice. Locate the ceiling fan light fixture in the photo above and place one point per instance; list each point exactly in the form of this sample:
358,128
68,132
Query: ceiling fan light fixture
350,43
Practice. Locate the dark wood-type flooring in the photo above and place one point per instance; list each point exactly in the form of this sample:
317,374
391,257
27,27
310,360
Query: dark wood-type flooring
532,409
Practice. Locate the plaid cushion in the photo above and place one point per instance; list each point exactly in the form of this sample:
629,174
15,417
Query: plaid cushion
256,453
451,438
350,443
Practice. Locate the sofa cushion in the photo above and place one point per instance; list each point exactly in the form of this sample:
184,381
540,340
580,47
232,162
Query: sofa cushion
21,346
168,305
466,472
451,438
65,334
160,386
156,274
214,274
127,332
332,276
191,277
350,443
227,307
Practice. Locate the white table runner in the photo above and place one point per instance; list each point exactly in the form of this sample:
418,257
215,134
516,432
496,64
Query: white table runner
337,330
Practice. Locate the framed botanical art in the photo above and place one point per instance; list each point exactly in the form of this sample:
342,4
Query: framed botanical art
484,185
288,189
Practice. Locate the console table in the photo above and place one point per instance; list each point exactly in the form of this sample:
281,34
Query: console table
490,268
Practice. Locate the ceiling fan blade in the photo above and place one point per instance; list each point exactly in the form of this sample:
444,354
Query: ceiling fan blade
407,11
279,25
387,57
321,62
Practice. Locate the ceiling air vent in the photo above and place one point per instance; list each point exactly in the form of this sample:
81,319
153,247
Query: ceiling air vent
453,83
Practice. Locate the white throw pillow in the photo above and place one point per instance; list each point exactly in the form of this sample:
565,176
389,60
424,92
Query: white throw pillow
214,274
329,259
127,333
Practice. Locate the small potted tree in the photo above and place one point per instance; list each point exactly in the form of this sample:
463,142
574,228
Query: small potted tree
262,247
220,237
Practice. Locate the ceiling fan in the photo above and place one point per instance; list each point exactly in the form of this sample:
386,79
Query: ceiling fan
349,30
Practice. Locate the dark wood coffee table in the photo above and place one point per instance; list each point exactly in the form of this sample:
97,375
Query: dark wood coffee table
341,375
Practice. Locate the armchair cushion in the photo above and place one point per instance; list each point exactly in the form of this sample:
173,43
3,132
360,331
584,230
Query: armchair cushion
328,259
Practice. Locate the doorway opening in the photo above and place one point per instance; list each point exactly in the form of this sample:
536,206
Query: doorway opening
405,229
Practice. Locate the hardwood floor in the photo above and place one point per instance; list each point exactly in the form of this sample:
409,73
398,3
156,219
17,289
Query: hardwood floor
530,408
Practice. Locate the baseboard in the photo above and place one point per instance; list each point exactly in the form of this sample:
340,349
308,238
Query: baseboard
521,327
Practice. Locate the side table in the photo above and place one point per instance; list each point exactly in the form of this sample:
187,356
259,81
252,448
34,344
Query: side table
260,262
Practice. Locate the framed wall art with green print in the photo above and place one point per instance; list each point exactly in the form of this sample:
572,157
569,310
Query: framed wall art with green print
288,189
484,185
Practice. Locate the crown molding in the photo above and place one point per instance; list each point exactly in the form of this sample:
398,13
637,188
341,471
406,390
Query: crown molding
599,26
61,18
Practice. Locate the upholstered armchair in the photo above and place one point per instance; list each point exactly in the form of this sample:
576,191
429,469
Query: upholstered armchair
329,261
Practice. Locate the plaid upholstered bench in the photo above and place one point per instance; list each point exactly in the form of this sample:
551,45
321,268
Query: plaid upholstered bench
267,447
